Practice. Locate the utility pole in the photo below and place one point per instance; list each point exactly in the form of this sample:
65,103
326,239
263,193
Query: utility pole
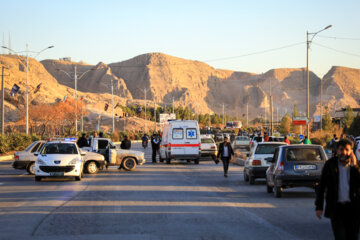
247,115
27,89
155,115
173,105
321,92
197,112
2,125
223,121
307,86
112,104
82,117
76,123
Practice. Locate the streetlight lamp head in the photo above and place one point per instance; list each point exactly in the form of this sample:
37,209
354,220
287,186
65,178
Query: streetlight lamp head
51,47
328,27
3,47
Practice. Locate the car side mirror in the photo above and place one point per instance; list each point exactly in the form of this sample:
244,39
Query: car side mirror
36,154
269,159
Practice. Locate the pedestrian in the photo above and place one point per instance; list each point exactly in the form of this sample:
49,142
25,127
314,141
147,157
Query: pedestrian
155,145
91,137
82,141
126,143
333,145
306,140
286,140
340,185
266,137
225,153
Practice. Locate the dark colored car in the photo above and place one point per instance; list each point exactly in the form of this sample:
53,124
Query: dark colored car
294,166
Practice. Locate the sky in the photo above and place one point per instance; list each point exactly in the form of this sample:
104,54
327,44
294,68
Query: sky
223,33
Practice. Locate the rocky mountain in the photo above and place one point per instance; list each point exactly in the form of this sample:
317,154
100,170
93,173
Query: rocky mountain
190,83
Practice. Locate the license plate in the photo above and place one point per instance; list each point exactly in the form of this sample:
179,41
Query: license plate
57,174
305,167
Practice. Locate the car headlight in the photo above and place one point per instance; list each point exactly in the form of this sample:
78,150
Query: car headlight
41,162
74,161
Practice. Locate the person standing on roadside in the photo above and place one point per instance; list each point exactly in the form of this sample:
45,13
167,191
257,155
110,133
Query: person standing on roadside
286,140
82,141
306,140
225,153
333,145
340,183
155,145
126,143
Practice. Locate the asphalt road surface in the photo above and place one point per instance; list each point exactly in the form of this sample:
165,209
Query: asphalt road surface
156,201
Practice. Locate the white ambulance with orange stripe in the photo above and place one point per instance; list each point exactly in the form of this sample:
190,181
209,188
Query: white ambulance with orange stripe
180,141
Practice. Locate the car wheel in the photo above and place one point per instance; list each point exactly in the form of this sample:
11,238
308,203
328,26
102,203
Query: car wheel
246,177
277,191
196,161
31,168
252,180
38,179
268,188
129,164
91,167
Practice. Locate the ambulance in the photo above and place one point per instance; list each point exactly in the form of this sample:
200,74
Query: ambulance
180,141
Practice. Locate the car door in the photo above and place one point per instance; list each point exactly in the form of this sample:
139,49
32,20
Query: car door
102,146
112,154
272,167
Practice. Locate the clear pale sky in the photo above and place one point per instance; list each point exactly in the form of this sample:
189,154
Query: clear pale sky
112,31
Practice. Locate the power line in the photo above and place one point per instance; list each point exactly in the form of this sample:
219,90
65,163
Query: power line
336,50
256,53
340,38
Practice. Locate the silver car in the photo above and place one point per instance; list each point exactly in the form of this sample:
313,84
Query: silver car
26,159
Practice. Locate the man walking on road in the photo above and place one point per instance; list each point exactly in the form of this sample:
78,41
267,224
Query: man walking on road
225,153
340,180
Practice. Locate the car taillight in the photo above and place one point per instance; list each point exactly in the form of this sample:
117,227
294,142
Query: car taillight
281,167
16,157
256,163
213,147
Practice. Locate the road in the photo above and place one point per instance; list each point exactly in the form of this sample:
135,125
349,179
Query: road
157,201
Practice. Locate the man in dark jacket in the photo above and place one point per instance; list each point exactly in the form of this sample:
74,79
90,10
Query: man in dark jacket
82,142
126,143
155,145
340,180
225,153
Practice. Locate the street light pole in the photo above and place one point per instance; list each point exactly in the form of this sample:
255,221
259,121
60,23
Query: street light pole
27,78
321,92
308,42
223,114
2,102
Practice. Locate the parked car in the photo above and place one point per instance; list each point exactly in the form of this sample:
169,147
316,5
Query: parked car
26,159
59,159
208,147
241,142
295,166
180,141
126,159
256,165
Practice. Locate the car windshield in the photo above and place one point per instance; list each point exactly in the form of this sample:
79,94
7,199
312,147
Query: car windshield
303,154
29,147
207,140
266,148
242,138
59,148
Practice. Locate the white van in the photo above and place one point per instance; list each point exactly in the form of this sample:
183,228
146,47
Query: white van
181,141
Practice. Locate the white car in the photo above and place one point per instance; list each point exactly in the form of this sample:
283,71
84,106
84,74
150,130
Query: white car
59,158
255,164
208,147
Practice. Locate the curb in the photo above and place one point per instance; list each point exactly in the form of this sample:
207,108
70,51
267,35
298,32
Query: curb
6,158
